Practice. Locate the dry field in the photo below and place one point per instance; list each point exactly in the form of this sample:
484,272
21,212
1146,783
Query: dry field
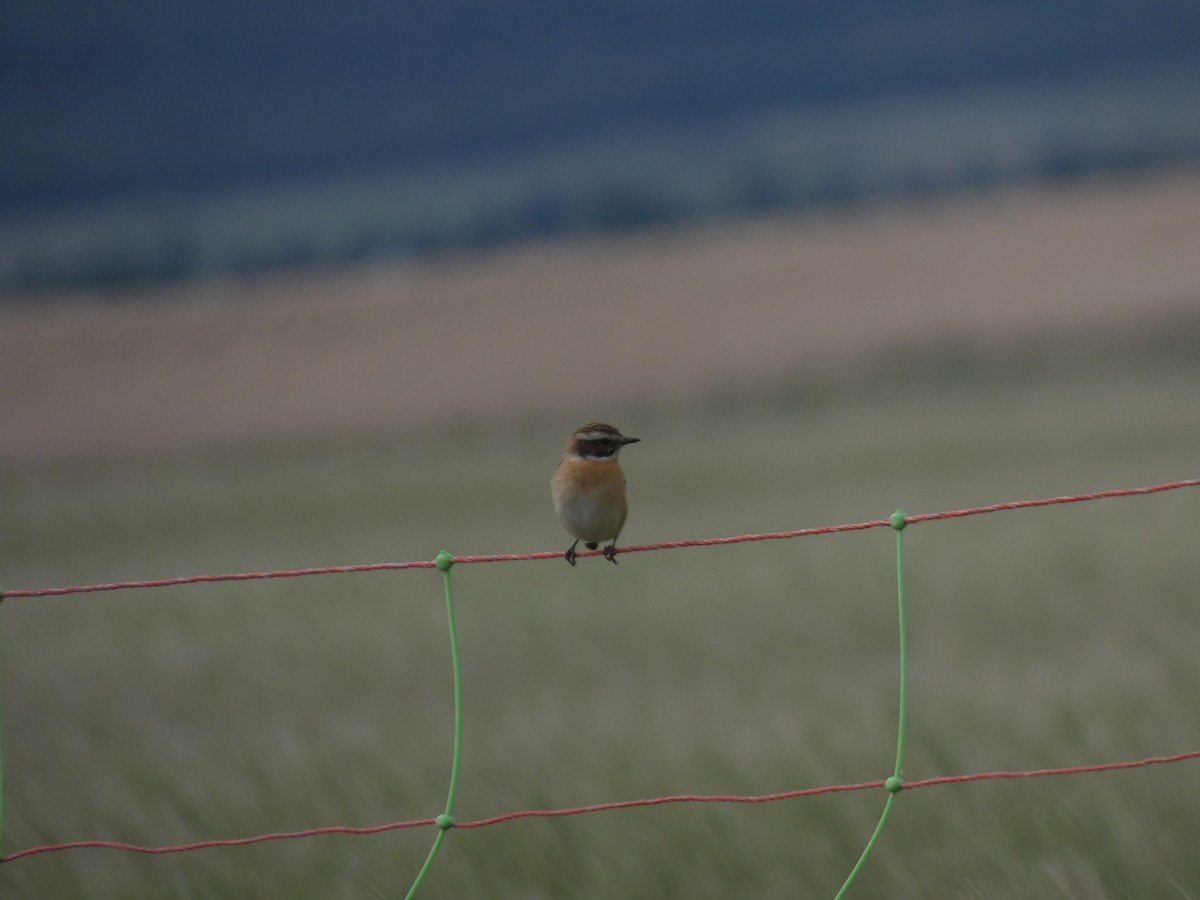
1052,637
578,328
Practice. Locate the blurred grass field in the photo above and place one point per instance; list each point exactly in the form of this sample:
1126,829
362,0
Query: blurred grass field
1053,637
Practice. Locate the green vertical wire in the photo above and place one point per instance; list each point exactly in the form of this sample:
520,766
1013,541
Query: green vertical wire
446,820
896,782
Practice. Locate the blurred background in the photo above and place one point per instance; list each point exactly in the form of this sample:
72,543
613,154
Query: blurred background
315,284
168,141
272,209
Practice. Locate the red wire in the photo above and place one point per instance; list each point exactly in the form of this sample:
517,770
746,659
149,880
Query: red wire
1040,773
670,545
204,579
603,807
209,845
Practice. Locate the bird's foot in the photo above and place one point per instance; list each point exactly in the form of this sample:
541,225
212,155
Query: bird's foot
569,556
610,553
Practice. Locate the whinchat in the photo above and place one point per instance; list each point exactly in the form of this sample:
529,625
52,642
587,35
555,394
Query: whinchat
589,488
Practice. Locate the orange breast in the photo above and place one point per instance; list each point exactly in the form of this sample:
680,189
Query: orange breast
589,497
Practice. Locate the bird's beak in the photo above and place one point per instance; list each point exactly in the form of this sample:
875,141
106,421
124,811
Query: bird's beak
629,440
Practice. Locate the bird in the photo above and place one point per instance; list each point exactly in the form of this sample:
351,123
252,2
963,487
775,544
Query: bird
589,488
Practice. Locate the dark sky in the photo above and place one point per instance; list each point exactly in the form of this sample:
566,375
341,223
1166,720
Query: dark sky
100,99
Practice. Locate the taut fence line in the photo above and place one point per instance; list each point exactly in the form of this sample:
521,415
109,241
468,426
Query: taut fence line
445,822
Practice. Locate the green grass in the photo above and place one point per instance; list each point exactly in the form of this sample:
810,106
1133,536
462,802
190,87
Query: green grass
1044,638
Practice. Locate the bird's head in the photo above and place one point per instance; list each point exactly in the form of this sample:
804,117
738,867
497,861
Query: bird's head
596,440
